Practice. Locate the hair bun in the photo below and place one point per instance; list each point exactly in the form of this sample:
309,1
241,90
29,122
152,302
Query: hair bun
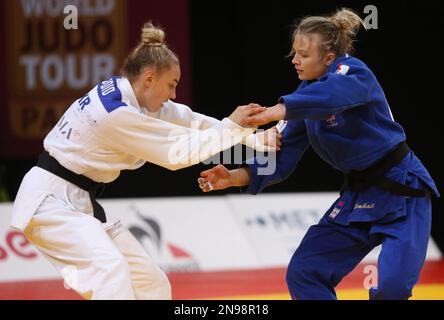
347,21
152,36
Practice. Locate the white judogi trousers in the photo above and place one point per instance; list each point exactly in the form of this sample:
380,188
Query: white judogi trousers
98,261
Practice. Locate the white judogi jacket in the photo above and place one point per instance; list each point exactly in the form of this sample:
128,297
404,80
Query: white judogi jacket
113,133
106,131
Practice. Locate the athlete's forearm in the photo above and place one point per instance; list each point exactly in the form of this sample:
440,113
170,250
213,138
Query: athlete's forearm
275,113
240,177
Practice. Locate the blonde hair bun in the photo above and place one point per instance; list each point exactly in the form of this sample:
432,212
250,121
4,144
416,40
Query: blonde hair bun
348,21
151,52
152,36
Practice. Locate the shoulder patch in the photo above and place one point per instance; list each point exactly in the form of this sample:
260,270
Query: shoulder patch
110,95
342,69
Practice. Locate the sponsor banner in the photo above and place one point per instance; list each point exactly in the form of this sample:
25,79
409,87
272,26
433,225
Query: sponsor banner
186,234
32,119
50,58
194,234
54,55
19,260
181,234
275,224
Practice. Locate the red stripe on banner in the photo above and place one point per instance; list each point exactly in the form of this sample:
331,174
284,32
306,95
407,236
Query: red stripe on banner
227,283
36,290
204,285
432,273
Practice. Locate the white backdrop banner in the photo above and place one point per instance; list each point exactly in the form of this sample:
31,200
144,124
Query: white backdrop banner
207,233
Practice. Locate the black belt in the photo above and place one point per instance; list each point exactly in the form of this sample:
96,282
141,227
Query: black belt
94,189
359,181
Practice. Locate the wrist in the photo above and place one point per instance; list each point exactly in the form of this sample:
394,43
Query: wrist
278,112
240,177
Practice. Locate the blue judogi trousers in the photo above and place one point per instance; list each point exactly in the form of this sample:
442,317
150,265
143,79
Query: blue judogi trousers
329,251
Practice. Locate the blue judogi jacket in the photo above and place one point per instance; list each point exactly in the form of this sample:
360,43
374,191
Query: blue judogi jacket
345,117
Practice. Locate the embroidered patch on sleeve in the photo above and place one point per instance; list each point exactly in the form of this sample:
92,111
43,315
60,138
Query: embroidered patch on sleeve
342,69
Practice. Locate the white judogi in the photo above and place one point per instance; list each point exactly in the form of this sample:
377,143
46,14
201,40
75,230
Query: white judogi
100,134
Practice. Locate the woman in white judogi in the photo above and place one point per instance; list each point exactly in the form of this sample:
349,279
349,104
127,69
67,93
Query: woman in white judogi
120,124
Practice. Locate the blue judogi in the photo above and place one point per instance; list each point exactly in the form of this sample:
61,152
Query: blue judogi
346,119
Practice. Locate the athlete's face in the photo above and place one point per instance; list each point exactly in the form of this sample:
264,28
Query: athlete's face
309,60
160,86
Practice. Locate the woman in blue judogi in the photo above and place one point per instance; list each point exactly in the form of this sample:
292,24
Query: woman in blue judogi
340,110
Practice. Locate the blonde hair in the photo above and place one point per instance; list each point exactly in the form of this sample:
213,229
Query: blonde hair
152,51
337,31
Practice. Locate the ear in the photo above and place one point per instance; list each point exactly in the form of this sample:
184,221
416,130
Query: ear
148,77
329,58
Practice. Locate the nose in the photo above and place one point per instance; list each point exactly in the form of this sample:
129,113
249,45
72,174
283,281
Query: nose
173,95
295,61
